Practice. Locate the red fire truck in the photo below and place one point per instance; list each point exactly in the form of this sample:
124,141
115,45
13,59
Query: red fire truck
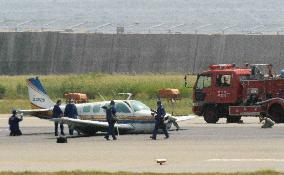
227,91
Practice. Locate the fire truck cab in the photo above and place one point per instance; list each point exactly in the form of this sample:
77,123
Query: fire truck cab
226,91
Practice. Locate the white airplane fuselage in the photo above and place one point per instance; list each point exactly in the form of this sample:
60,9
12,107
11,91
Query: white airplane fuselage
133,115
142,121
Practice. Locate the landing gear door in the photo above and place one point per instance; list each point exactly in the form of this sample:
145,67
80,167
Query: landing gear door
203,87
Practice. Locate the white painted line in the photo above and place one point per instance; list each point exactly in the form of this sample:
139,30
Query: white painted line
245,160
4,130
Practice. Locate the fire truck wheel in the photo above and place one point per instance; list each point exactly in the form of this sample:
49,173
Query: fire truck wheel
210,115
233,119
275,113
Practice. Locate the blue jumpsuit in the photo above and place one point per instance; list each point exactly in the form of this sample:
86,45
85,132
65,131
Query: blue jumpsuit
110,112
57,112
71,112
14,125
159,122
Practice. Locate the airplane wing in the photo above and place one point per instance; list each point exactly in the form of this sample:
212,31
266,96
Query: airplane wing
183,118
94,124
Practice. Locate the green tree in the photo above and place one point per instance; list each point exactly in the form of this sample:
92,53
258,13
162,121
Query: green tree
2,91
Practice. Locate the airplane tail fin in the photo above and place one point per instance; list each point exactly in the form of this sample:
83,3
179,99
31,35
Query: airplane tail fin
37,95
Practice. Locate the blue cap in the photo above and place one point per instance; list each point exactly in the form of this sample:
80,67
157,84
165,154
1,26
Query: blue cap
14,111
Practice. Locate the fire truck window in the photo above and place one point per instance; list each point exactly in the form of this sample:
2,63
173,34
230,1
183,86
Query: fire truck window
223,80
244,77
203,82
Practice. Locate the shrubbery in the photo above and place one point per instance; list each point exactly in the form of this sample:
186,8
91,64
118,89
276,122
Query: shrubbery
2,91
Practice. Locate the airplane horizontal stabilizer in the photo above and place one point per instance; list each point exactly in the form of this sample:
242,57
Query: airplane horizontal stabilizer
28,111
39,113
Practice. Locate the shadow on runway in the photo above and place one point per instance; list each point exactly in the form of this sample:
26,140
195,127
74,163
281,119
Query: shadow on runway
178,130
34,134
78,136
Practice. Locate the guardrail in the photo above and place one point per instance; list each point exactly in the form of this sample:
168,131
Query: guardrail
60,25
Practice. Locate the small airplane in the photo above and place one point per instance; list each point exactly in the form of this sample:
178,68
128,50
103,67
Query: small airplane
134,117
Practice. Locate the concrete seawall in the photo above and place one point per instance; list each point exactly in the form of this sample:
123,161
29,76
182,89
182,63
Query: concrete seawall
56,53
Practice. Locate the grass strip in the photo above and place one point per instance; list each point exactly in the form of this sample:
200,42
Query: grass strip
264,172
144,87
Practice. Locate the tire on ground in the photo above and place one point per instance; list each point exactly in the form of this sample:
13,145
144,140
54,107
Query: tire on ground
276,113
211,115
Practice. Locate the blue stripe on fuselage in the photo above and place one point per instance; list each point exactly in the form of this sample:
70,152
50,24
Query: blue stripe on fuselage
37,84
134,121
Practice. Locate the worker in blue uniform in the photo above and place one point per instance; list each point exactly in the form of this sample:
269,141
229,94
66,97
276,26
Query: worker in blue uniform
14,124
71,112
111,119
159,121
57,113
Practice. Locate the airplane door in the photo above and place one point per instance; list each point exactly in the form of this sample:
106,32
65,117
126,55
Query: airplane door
202,89
123,110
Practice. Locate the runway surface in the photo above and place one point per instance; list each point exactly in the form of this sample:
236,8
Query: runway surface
199,147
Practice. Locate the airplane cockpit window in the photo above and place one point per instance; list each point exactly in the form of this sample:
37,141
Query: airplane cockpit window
96,108
121,107
138,106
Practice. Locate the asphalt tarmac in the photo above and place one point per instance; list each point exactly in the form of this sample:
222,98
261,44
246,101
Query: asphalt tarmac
198,147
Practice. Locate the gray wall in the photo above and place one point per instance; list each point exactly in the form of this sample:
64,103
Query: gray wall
51,52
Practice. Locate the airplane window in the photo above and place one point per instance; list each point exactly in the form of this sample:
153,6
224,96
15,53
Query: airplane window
96,108
121,107
86,108
139,106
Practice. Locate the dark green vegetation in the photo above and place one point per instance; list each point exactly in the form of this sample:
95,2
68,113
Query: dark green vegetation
144,87
2,91
124,173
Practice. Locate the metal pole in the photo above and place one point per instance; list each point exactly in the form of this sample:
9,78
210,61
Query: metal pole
200,27
228,27
155,26
176,26
47,24
132,25
102,26
23,23
255,28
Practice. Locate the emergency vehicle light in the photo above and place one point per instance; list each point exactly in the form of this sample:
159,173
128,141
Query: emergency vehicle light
221,66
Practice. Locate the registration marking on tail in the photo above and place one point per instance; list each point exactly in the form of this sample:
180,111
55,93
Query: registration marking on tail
245,160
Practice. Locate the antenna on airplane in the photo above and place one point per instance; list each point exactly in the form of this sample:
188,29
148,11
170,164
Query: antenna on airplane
129,95
102,97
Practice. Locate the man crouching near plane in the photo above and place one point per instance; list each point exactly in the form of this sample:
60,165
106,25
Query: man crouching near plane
111,119
14,124
159,121
57,113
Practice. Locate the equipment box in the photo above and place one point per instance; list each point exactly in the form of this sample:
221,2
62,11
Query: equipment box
77,97
169,93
